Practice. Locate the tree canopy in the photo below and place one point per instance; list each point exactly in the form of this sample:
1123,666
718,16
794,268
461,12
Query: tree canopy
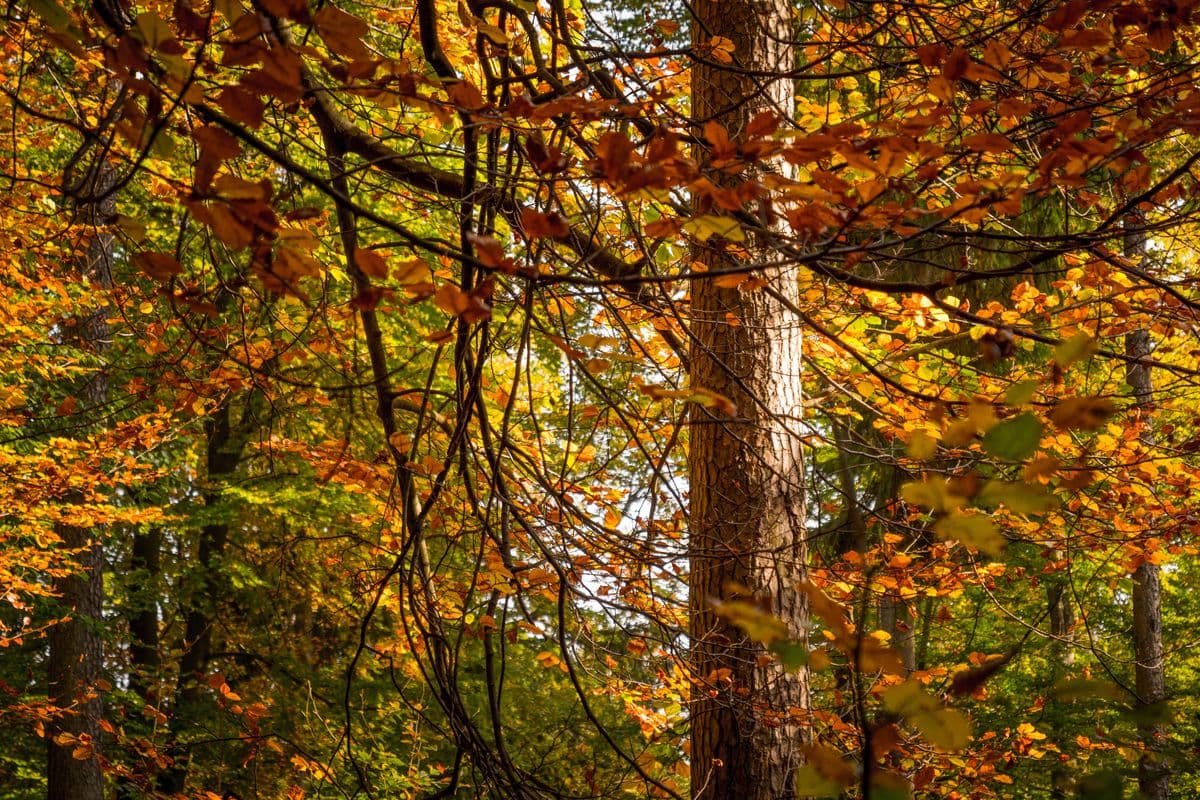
547,399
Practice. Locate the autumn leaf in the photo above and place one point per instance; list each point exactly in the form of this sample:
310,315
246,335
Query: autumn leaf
1082,413
465,305
370,263
944,728
343,32
972,530
755,622
159,266
543,226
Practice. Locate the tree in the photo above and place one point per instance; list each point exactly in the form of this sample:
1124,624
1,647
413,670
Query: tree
76,645
538,391
1149,673
747,516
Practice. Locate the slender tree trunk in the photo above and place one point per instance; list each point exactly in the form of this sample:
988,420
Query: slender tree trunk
76,646
144,655
225,444
1149,675
747,511
1062,649
897,618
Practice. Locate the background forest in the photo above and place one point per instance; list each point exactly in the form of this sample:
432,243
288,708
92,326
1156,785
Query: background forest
554,399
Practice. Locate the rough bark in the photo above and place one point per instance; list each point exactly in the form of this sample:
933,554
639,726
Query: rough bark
76,648
747,511
1154,780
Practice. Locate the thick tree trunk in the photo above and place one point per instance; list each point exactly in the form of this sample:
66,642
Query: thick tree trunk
747,512
76,647
1154,780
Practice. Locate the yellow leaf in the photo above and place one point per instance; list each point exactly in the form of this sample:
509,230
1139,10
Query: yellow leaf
972,530
921,446
759,625
493,34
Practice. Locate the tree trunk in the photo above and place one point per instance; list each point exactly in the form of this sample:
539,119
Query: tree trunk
1062,655
897,618
1149,674
747,516
145,659
76,647
226,443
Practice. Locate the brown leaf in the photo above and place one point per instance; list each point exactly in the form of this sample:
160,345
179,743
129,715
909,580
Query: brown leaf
342,32
241,106
159,266
968,680
490,252
956,64
1082,413
543,226
370,263
456,302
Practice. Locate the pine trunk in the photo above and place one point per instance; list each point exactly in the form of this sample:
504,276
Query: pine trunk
747,511
76,648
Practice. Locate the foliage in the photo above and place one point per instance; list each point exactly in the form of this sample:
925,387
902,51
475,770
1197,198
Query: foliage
390,479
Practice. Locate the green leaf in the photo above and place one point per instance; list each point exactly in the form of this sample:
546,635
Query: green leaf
1073,349
56,17
948,728
1155,714
811,783
1020,393
972,530
932,494
1081,688
1104,785
792,655
1014,439
890,786
1019,496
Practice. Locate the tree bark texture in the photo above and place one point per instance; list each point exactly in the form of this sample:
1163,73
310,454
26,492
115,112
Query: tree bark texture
1154,779
76,648
747,513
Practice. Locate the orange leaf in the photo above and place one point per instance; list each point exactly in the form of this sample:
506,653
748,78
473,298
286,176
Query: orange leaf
465,95
543,226
372,264
342,32
456,302
159,266
988,143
